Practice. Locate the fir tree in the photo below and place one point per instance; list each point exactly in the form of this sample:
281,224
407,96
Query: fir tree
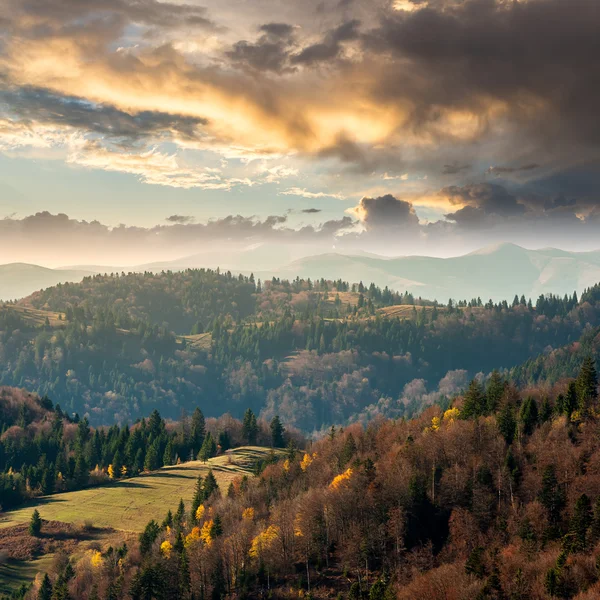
494,391
277,431
210,486
250,428
209,448
581,521
198,432
528,415
168,456
507,423
45,591
198,496
587,385
552,497
35,524
474,401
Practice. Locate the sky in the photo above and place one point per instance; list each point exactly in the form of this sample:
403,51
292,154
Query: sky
144,130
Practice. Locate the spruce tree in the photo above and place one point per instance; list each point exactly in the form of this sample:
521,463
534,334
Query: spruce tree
168,456
198,496
210,486
581,521
35,524
217,527
474,401
494,391
198,432
507,423
179,518
277,431
587,385
45,591
552,497
528,415
571,401
209,448
250,428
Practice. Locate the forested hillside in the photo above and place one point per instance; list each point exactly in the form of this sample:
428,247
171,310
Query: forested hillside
115,347
496,497
44,451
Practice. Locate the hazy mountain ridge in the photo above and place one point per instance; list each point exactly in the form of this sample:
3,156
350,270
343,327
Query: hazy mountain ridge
21,279
496,272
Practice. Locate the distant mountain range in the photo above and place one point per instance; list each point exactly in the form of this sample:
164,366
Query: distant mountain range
20,279
497,272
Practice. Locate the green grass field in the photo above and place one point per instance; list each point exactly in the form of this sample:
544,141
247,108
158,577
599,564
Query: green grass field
13,573
128,505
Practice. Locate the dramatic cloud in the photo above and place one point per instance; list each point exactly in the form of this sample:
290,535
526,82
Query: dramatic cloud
52,238
386,212
415,106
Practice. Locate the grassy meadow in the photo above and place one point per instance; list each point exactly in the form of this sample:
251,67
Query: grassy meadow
128,505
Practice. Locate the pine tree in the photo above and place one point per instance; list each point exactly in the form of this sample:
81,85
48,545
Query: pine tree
35,524
81,474
348,451
570,403
494,392
210,486
595,533
216,528
179,518
250,428
209,448
148,537
198,496
151,463
45,591
552,497
474,401
198,432
507,423
277,431
48,480
587,385
581,521
528,415
168,456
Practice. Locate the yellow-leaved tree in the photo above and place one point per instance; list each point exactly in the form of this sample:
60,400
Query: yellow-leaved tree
340,481
166,547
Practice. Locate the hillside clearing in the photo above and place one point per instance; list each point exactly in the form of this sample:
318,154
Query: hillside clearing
13,573
129,504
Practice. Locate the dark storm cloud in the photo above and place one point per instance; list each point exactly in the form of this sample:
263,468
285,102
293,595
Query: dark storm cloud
385,212
277,48
482,201
38,105
539,57
330,47
281,30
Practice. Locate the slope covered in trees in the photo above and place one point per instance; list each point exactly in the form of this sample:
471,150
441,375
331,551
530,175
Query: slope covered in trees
315,353
496,497
44,451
